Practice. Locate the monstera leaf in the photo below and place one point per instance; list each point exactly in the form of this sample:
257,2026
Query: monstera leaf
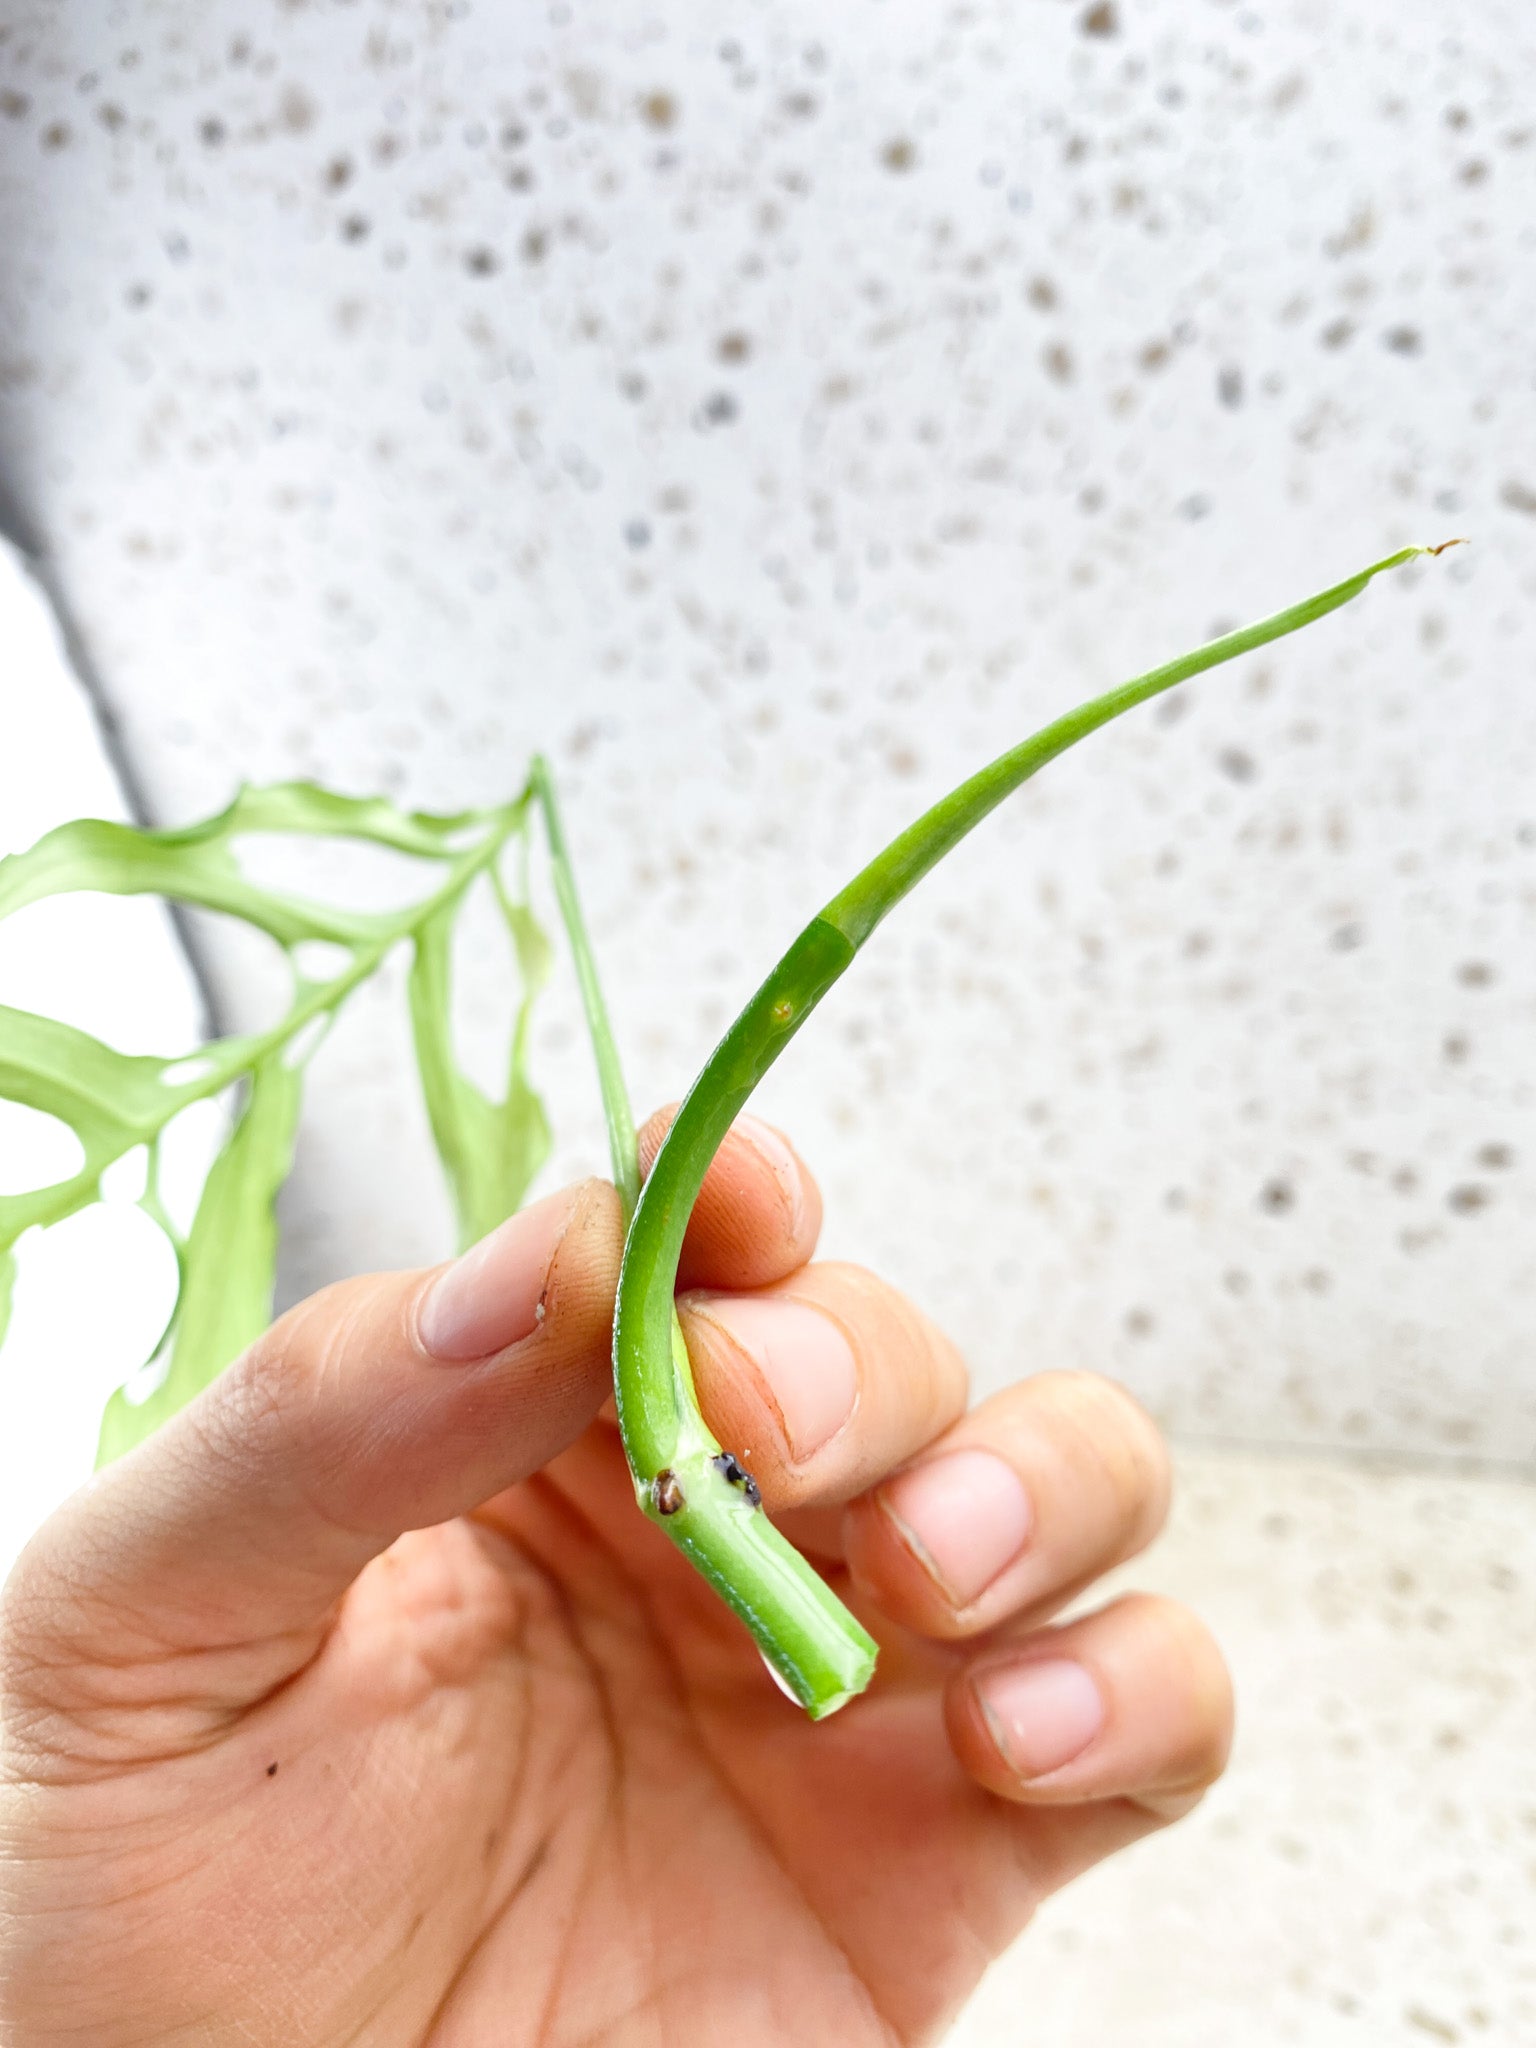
116,1103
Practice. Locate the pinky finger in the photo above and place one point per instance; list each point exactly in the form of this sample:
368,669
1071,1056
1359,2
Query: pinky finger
1130,1703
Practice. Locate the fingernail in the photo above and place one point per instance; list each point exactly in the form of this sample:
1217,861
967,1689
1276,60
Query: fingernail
1042,1714
802,1359
964,1516
490,1297
778,1156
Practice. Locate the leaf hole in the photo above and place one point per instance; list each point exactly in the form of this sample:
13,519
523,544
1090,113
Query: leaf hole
126,1179
36,1149
344,874
320,960
486,990
187,1073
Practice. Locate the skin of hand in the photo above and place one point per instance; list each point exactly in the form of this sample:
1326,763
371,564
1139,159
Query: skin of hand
360,1705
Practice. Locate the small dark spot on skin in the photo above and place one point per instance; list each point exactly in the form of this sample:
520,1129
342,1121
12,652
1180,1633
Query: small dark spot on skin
1473,172
13,104
1519,498
659,110
1456,1047
111,116
1496,1158
637,533
212,131
1336,333
355,227
1101,20
734,347
1347,938
1468,1199
138,295
899,154
1058,362
1237,763
731,1469
1229,386
1403,341
535,245
1139,1323
1277,1197
1196,506
1154,355
271,1770
338,173
666,1493
56,135
1041,294
720,408
1475,974
482,262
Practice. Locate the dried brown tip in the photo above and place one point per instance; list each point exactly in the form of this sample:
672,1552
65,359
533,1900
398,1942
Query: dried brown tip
1461,541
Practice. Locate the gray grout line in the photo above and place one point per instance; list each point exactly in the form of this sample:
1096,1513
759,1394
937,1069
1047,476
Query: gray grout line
15,528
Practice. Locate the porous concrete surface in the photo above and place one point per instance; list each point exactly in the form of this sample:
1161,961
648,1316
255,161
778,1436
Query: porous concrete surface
774,410
1365,1875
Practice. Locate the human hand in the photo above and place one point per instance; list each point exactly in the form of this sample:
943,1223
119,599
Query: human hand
273,1771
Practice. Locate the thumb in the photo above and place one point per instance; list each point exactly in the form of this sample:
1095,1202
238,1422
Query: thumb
382,1404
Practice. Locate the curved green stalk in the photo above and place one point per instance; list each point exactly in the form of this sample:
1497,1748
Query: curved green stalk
805,1633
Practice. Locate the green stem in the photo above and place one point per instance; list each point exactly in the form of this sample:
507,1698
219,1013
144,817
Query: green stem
610,1072
803,1630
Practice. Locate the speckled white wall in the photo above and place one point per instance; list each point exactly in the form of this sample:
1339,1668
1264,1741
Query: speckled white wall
775,410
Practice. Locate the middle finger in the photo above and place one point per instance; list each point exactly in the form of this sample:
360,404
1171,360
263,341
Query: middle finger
1023,1503
822,1384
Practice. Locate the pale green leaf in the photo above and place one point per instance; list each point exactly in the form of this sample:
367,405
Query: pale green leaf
228,1261
490,1150
114,1102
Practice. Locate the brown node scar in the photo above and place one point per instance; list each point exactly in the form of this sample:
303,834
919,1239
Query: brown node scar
666,1494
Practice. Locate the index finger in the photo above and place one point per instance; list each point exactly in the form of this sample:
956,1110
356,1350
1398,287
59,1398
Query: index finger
758,1215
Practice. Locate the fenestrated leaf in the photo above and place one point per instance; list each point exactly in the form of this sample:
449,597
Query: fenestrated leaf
227,1263
114,1102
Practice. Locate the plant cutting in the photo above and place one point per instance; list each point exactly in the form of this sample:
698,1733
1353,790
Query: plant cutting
692,1488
